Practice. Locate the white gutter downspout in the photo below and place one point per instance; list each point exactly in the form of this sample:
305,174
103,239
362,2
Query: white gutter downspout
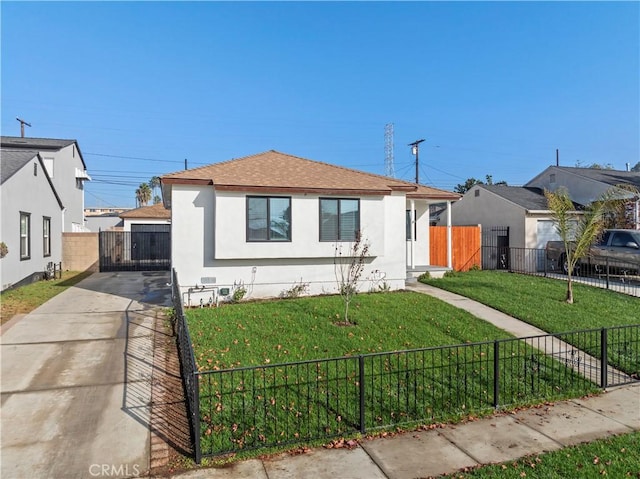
413,233
449,237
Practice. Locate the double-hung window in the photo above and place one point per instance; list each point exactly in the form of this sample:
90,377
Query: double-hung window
46,236
268,218
339,219
25,235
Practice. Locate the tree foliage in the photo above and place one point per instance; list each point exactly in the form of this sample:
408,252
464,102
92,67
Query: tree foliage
143,194
462,188
595,166
621,209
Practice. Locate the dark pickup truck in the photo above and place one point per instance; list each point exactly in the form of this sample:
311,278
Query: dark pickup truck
618,249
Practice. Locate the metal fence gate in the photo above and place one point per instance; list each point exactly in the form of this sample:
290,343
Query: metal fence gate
135,251
495,247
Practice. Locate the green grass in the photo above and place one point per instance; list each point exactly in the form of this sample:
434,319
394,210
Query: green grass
540,301
27,298
278,404
270,332
617,456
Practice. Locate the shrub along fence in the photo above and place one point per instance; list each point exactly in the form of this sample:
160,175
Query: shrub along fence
294,403
610,273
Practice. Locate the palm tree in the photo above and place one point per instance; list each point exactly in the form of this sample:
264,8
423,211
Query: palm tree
577,234
154,183
143,194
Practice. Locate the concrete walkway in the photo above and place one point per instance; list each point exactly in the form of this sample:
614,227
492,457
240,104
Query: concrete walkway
584,364
502,437
76,383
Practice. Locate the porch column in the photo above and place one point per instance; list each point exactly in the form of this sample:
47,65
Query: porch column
413,233
449,237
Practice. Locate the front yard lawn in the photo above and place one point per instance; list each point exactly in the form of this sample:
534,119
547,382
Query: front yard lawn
270,332
276,404
540,301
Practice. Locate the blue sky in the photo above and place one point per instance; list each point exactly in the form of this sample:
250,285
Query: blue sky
493,87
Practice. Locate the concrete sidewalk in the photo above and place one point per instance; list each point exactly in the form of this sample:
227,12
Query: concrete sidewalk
499,438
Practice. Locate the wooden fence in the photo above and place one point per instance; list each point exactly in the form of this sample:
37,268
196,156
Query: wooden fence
466,246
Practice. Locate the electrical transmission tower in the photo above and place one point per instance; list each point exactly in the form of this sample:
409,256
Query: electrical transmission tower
389,169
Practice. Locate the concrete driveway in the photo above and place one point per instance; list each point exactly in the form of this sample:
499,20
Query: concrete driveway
76,380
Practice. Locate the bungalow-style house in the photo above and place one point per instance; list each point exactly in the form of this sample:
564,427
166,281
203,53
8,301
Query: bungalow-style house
269,221
66,168
31,219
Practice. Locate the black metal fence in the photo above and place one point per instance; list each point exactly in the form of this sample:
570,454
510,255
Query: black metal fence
188,366
284,404
608,273
135,250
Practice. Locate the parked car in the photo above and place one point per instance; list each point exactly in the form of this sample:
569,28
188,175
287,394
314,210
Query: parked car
617,249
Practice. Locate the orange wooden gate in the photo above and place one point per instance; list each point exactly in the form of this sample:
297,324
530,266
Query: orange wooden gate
466,246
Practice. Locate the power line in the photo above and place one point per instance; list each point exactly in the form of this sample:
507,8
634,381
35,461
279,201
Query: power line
139,158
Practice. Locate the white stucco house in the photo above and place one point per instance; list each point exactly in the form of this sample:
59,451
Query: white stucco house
31,219
66,169
271,220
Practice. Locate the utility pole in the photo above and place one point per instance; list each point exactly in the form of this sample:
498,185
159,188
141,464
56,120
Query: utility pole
414,149
22,123
185,164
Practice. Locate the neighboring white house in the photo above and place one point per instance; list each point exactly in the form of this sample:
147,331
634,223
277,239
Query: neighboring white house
268,221
67,170
31,219
586,185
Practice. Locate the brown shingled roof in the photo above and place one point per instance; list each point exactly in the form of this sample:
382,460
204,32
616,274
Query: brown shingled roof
157,211
273,171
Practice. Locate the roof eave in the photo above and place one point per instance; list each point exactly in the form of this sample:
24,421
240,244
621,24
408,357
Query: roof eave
301,190
427,196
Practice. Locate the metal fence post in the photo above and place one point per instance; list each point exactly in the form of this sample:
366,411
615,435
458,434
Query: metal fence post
603,359
496,374
196,417
607,263
361,390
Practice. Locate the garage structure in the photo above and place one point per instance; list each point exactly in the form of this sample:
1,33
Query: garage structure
143,244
